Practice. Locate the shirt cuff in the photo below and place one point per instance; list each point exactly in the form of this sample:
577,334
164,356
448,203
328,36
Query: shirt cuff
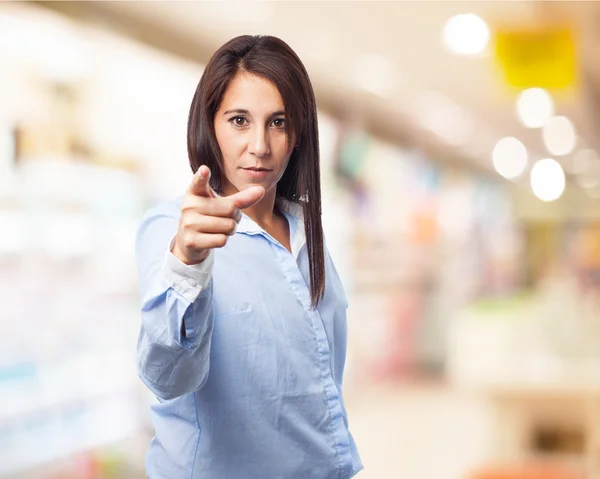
187,280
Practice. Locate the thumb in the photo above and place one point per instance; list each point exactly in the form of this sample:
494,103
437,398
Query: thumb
249,197
201,183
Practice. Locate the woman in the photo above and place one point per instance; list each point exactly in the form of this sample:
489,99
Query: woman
243,336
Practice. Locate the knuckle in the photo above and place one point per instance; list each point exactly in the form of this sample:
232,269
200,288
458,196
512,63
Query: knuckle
206,206
185,203
221,241
230,209
186,207
199,204
189,208
186,221
189,240
189,201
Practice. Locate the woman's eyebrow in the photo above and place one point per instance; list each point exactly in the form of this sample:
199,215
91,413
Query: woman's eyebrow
241,111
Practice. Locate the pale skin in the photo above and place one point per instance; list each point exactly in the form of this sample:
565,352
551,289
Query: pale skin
250,129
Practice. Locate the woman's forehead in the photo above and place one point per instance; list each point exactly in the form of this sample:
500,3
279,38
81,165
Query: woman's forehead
252,93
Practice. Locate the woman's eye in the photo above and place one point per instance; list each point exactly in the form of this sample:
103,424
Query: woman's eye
238,121
278,123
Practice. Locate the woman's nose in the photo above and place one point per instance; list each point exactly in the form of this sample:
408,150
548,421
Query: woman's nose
259,143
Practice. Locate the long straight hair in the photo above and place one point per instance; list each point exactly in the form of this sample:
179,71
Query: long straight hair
272,59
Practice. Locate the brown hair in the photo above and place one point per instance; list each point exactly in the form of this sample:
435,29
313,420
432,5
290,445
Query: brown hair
272,59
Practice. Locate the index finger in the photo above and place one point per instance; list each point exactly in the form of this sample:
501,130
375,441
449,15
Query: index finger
201,183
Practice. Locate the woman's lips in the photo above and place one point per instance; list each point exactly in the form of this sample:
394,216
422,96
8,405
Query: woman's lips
257,172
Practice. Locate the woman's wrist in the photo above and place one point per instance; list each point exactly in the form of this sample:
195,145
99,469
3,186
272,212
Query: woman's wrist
184,258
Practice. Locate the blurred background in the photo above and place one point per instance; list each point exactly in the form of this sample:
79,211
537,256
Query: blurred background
461,203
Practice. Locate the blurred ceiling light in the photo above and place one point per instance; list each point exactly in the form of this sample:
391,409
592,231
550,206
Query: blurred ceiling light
559,135
440,115
375,74
535,107
465,34
547,179
509,157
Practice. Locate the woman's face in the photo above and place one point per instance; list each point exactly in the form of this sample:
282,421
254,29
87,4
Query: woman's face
250,130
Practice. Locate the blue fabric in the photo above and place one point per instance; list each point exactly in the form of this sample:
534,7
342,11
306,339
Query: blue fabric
253,389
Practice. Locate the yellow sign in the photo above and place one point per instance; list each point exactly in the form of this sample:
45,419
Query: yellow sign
537,57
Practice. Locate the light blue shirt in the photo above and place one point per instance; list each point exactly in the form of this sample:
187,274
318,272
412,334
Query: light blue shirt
253,389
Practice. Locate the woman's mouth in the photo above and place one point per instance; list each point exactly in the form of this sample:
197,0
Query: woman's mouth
257,172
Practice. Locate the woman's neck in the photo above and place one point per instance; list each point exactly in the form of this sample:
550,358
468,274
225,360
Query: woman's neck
263,213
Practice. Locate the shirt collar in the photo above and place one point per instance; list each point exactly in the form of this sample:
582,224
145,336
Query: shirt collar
294,214
292,210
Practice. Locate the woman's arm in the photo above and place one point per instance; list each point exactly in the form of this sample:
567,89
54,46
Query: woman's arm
173,350
174,255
